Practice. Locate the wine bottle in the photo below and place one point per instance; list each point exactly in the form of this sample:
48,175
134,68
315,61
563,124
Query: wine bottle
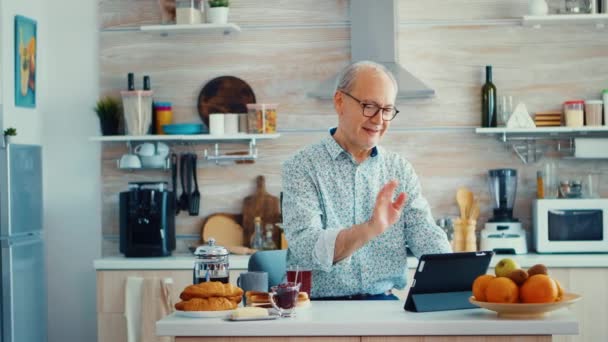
148,86
130,81
488,101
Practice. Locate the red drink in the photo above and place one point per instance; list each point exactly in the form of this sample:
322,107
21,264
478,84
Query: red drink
304,278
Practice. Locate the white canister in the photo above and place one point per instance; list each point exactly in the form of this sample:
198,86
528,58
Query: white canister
231,123
574,114
605,98
537,7
216,124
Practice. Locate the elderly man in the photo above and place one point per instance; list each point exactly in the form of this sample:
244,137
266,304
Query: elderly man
339,214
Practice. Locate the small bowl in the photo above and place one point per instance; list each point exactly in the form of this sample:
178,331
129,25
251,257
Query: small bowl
156,161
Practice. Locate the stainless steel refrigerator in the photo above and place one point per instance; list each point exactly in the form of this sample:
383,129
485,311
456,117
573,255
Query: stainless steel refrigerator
23,289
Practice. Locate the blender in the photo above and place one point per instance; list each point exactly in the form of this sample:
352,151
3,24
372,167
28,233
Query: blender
503,233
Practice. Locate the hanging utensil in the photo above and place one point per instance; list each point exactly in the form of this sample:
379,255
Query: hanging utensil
183,198
174,180
195,198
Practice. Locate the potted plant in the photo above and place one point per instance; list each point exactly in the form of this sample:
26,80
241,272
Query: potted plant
218,12
109,114
9,133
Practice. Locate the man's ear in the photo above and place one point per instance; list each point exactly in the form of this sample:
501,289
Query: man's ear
338,102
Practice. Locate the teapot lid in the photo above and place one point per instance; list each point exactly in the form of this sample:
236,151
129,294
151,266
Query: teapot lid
210,249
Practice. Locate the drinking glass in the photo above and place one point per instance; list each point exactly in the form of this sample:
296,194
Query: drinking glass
550,180
284,298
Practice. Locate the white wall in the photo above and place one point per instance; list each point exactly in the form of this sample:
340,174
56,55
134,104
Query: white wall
72,195
67,82
28,121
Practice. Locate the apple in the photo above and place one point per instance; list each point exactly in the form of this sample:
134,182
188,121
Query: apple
505,267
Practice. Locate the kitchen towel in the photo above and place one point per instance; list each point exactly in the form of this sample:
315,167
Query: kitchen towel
133,294
142,315
160,290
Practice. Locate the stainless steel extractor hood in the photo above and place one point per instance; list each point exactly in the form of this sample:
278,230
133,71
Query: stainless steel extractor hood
374,29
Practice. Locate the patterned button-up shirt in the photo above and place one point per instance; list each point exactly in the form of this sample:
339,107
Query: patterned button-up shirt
324,191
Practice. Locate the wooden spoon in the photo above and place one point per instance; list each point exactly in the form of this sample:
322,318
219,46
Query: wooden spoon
461,199
470,200
474,211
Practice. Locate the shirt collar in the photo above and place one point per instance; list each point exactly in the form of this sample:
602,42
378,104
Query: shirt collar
335,149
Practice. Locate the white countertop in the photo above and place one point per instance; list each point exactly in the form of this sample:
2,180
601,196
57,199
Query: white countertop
372,318
176,262
239,262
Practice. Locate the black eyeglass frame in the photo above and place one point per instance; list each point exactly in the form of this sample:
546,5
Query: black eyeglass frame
363,105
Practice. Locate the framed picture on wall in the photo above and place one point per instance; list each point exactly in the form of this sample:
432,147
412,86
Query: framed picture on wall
25,62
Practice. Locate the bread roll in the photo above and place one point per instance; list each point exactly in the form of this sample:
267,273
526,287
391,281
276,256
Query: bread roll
206,304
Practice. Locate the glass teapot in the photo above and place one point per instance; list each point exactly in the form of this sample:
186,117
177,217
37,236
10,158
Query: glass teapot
211,263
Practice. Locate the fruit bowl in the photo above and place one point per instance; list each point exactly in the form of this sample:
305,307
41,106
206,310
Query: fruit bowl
526,310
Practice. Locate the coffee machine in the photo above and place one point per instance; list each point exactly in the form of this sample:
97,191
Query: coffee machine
147,220
503,233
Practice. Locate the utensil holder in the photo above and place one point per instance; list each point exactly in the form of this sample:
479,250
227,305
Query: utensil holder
465,239
137,106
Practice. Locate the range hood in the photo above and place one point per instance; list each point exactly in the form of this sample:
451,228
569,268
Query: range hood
374,29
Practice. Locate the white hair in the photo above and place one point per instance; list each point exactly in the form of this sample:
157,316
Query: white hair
347,78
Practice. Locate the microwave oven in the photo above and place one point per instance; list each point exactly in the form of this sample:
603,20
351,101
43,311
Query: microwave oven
570,225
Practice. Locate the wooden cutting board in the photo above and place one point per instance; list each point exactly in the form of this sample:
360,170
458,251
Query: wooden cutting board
261,204
224,228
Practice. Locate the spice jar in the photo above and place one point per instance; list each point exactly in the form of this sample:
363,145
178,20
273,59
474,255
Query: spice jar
188,12
593,112
573,113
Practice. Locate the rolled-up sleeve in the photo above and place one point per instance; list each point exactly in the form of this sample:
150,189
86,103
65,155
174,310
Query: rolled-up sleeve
422,234
310,245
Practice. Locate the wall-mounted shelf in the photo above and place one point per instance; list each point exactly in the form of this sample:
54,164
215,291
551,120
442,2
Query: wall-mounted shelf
191,138
216,157
525,142
165,30
565,19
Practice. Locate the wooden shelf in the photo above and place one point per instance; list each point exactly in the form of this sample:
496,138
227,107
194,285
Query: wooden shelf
565,19
205,138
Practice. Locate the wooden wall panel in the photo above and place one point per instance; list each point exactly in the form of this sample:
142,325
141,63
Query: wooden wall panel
286,48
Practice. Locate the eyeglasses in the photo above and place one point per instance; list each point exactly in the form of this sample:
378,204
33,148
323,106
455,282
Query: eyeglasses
370,110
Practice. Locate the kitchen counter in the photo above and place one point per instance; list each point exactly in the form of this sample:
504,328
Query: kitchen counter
239,262
373,318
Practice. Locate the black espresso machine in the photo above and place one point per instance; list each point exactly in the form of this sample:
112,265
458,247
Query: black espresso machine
147,220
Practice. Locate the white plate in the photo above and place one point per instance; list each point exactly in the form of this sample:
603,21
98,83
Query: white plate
265,318
203,314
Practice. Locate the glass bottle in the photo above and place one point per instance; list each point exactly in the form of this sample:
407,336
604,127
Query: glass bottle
268,241
257,240
488,101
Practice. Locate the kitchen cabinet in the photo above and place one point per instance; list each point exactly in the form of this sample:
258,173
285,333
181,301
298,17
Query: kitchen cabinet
528,143
111,322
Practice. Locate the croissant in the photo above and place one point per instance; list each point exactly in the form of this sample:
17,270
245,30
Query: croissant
211,289
206,304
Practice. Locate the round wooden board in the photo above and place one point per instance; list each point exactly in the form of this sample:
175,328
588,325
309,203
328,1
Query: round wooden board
224,229
225,94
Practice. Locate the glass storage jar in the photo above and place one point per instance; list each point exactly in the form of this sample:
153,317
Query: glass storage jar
573,113
188,12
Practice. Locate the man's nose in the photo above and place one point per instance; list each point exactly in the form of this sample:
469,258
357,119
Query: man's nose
377,118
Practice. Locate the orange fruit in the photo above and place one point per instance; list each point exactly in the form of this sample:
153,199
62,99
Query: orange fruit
539,288
479,286
502,290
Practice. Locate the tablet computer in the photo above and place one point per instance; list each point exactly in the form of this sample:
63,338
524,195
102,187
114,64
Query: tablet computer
444,281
